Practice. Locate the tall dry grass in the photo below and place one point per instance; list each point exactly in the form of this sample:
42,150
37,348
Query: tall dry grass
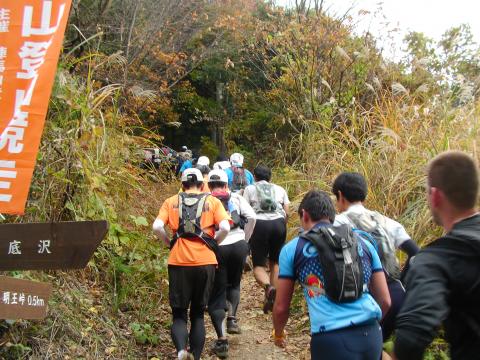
390,144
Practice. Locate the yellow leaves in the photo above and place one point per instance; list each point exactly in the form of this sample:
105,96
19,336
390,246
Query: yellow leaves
98,131
86,331
110,350
164,57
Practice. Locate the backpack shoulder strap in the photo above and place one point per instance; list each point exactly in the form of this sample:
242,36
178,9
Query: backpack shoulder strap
200,206
180,206
353,219
368,237
317,237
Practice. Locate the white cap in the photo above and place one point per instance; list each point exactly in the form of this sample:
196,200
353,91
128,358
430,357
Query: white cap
236,159
222,165
218,175
203,160
192,172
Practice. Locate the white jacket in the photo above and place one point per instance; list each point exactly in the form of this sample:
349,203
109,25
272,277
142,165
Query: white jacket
245,210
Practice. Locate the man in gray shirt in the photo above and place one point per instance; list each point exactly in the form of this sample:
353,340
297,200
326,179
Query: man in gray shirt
270,203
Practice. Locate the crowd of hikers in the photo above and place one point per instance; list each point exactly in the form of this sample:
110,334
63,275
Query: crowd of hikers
344,258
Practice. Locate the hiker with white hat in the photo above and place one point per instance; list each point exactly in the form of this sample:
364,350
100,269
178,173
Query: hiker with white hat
238,177
231,261
199,222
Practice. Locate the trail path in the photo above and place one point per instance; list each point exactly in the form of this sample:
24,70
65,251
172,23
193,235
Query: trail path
255,341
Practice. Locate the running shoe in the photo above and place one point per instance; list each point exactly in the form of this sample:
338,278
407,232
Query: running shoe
270,293
220,348
232,326
185,355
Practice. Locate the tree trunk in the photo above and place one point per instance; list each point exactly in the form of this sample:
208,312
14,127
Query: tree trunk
217,128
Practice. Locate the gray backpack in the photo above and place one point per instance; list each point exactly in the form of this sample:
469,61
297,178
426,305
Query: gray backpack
267,201
371,226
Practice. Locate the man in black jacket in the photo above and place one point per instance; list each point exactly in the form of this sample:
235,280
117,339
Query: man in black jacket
443,284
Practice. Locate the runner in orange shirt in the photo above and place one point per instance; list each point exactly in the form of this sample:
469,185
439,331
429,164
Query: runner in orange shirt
193,217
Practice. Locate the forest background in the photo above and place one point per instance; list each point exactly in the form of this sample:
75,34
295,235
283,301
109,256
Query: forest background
294,88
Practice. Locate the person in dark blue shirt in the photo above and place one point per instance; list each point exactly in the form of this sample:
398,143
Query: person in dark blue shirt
340,331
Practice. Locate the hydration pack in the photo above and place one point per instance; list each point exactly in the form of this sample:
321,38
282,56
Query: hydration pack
225,198
239,181
342,267
267,202
371,226
190,210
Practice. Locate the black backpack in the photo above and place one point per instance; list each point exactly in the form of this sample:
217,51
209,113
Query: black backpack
190,210
239,181
341,263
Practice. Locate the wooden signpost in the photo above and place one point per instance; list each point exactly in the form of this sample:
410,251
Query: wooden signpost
42,246
31,35
49,246
23,299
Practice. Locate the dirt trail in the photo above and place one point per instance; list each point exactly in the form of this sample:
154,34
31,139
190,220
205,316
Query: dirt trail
255,341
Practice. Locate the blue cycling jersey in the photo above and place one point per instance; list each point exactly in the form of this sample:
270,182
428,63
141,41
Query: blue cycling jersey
299,261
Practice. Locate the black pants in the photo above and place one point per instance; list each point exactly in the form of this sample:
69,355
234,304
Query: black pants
189,288
231,261
267,240
397,294
354,343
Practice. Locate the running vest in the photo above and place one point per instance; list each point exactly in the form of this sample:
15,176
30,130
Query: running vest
190,209
267,202
342,267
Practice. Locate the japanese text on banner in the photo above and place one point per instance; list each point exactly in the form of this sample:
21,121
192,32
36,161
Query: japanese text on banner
31,33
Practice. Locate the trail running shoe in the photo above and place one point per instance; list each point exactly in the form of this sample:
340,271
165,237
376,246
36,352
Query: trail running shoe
185,355
270,293
220,348
232,326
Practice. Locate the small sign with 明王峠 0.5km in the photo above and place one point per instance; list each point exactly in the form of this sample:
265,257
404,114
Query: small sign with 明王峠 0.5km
23,299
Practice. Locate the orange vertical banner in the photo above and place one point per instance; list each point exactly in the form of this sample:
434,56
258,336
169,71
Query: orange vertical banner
31,35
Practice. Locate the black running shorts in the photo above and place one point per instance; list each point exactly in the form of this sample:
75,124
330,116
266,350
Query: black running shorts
267,240
190,286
